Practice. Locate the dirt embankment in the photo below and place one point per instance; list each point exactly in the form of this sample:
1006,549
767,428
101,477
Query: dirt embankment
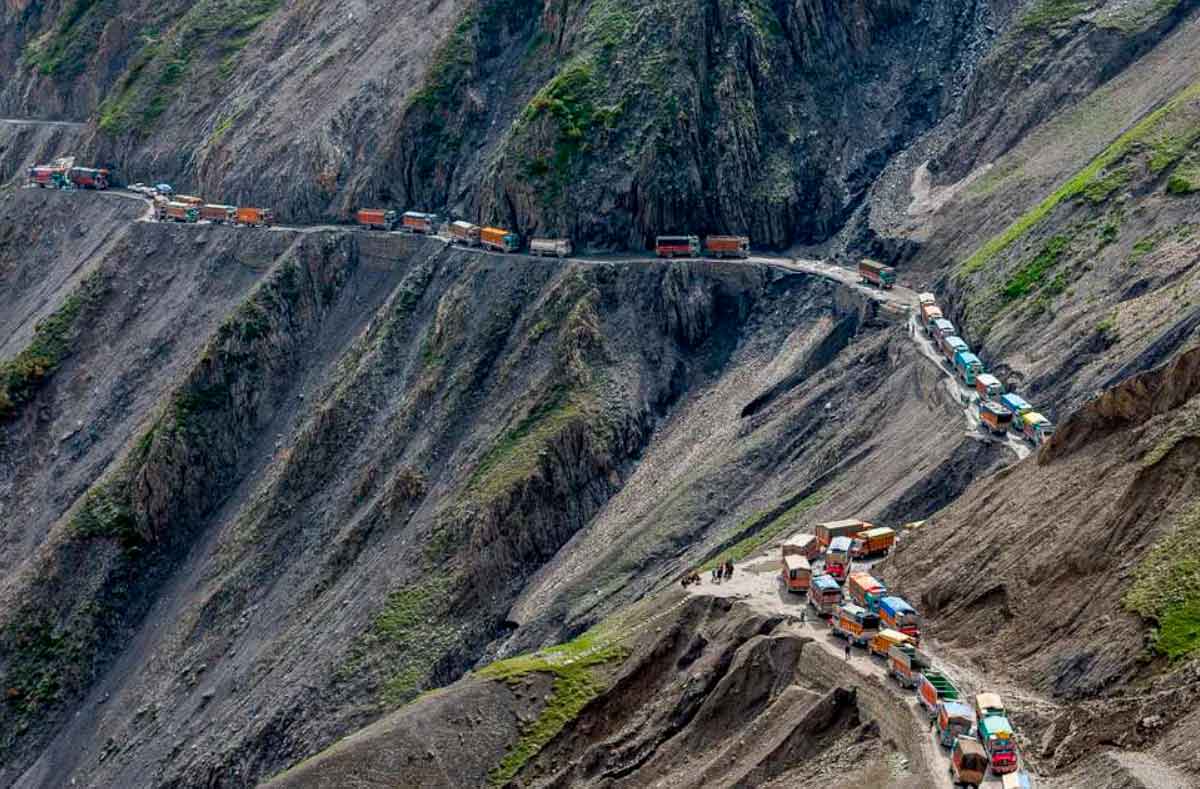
706,693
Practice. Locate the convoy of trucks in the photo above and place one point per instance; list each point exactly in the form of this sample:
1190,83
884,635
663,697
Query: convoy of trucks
63,177
1000,412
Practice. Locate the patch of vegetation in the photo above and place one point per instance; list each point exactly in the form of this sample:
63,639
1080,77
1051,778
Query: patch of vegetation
1144,246
21,377
1029,277
1047,14
569,101
210,28
407,638
106,512
1136,17
1109,233
63,52
515,455
609,24
1166,589
1186,178
1107,328
1077,183
576,682
762,527
1102,186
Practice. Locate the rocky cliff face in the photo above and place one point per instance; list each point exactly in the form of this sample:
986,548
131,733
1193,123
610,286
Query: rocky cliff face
608,122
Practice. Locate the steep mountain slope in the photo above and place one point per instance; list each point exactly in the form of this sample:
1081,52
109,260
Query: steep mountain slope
606,121
372,445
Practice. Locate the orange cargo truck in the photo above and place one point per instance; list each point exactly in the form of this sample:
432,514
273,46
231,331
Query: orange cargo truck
254,217
727,246
177,212
376,218
797,573
499,239
464,233
830,530
876,541
417,222
217,214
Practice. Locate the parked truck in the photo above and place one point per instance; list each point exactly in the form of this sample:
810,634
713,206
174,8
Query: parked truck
377,218
877,541
499,239
177,212
951,345
905,664
996,736
47,175
88,177
968,763
896,613
824,595
217,214
941,328
885,639
417,222
988,703
254,217
838,558
550,247
464,233
826,532
855,624
1036,428
995,418
797,573
954,719
933,688
727,246
677,246
988,386
872,272
802,544
926,298
1017,406
967,365
929,313
866,590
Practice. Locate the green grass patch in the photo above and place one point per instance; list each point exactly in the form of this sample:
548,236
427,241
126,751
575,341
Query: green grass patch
516,454
53,338
1166,589
406,639
761,528
63,51
1029,277
1107,328
576,682
1103,185
1077,183
1048,14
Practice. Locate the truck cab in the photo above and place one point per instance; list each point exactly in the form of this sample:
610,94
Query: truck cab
968,763
952,345
855,624
988,386
896,613
1036,428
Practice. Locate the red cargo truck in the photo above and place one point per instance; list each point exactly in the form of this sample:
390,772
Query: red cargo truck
88,177
416,222
254,217
47,175
376,218
677,246
727,246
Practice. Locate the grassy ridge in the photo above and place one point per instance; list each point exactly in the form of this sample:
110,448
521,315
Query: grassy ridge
1166,589
1090,181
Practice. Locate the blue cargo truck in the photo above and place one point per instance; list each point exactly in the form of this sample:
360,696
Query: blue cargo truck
1018,407
967,365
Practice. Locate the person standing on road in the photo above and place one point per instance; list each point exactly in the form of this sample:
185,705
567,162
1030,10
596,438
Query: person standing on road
847,650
